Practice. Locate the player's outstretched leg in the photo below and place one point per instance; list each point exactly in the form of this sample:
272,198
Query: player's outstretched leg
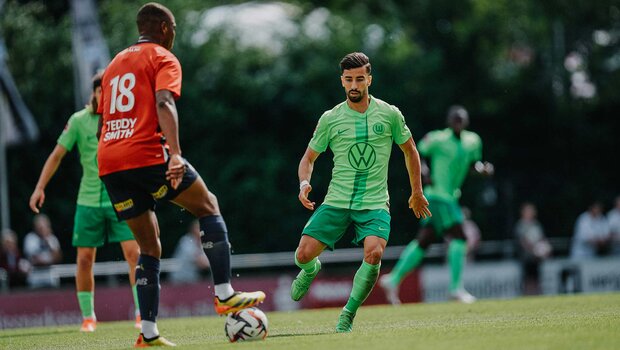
214,237
301,284
363,282
456,259
409,259
238,301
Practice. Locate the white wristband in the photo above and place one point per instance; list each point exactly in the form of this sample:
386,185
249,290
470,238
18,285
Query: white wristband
303,183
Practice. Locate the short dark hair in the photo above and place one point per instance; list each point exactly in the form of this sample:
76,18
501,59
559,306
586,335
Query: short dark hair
355,60
97,80
96,83
152,14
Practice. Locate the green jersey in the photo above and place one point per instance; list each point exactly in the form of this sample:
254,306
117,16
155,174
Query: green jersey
451,159
361,144
82,129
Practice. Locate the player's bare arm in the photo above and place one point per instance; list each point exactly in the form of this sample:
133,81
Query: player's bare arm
306,166
169,123
417,201
49,169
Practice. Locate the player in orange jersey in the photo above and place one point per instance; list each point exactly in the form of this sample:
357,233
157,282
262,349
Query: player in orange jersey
140,163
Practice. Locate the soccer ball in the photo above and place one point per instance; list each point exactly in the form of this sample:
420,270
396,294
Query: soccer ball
247,324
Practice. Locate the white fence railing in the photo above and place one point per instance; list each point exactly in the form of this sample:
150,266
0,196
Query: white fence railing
52,275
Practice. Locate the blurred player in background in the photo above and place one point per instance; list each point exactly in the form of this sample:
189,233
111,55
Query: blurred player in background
95,220
360,132
533,247
140,163
592,236
41,246
189,256
613,218
453,153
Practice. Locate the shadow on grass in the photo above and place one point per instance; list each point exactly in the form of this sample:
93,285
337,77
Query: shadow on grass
298,334
34,334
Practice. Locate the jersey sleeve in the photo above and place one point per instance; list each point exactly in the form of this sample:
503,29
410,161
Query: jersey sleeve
69,135
400,130
426,145
169,75
320,138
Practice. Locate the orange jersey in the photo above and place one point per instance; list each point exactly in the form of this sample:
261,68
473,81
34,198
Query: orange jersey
130,136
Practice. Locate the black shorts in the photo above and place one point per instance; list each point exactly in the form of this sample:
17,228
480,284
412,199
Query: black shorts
135,191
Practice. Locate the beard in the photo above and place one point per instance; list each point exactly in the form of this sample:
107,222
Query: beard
355,98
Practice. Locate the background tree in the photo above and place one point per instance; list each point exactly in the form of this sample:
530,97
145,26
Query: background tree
540,81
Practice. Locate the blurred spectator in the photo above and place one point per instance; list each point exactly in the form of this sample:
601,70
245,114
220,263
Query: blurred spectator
472,233
613,217
591,238
533,247
190,256
11,260
41,247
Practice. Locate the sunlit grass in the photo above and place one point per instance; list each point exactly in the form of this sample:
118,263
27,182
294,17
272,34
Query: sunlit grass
563,322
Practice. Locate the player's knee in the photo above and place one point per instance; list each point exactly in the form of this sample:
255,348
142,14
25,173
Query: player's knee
426,238
85,260
132,256
424,243
214,230
303,255
456,232
373,256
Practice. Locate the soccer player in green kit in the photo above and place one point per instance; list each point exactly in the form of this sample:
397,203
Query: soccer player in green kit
453,152
360,132
94,217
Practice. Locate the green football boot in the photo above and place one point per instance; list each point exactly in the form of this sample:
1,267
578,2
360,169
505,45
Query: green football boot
345,322
302,282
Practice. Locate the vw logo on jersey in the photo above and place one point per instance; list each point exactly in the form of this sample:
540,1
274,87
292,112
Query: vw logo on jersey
378,128
362,156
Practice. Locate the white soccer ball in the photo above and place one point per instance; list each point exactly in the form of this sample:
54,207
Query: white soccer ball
247,324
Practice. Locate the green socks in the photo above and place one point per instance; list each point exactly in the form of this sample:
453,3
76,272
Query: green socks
363,282
87,304
413,255
86,300
134,291
309,267
409,259
456,259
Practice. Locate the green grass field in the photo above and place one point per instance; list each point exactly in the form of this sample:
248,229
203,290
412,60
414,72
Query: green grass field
565,322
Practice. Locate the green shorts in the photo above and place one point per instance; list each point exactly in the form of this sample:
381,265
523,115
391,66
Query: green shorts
328,224
93,225
446,213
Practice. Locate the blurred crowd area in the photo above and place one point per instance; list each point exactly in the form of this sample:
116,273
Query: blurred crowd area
596,235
